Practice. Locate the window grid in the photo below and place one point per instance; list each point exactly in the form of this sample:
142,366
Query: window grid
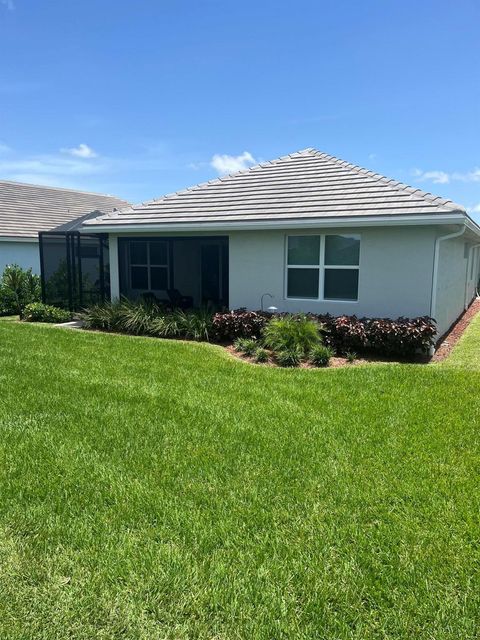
148,265
321,268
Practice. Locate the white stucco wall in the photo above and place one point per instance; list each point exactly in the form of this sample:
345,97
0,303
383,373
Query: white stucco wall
472,273
25,254
456,281
395,275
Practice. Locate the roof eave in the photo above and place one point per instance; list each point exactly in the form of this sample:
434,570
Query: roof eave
18,238
454,217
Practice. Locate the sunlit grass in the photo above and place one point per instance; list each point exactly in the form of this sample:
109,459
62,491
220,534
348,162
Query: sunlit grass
466,353
158,489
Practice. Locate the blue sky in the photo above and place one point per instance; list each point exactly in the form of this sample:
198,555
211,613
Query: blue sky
146,97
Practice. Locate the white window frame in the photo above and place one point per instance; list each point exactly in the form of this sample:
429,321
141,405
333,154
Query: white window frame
148,264
321,266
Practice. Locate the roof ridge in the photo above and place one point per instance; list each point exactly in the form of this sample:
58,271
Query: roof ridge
44,186
394,184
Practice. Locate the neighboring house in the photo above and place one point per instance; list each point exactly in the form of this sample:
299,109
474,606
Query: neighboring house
315,233
26,209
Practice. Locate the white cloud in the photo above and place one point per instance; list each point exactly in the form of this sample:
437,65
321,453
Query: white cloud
437,177
134,176
48,164
224,164
471,176
442,177
55,169
474,209
82,151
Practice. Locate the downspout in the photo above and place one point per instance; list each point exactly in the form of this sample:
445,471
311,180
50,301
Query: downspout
474,246
436,258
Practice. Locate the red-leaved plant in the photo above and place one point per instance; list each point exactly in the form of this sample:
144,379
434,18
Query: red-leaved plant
240,323
403,337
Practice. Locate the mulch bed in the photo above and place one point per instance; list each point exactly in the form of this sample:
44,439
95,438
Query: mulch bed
335,361
444,348
456,331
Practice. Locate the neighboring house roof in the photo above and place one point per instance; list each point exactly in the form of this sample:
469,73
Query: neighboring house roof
26,209
304,185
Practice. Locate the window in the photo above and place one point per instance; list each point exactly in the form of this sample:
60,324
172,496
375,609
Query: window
341,266
323,267
303,266
148,265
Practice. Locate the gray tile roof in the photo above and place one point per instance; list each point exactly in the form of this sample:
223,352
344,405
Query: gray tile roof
302,185
26,209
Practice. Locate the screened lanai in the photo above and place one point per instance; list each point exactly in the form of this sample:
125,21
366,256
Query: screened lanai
75,269
180,271
184,272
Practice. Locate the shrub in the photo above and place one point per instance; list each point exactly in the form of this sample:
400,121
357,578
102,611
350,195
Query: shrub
289,357
136,318
292,332
39,312
240,323
250,346
107,316
240,343
345,333
320,355
195,325
18,287
190,325
402,337
261,355
147,319
351,356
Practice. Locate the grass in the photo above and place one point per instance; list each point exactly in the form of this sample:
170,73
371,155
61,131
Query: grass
466,354
164,490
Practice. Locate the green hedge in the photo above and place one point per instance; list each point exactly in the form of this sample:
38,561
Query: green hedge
39,312
18,287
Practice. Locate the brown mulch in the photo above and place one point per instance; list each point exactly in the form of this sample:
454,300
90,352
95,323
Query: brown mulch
448,341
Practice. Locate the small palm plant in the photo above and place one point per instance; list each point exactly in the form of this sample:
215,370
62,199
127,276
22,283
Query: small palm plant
290,357
261,355
320,355
137,318
297,333
247,346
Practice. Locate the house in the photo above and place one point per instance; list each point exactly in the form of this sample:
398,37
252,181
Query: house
306,232
26,209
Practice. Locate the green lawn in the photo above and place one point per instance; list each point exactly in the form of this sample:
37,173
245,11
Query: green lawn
154,489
